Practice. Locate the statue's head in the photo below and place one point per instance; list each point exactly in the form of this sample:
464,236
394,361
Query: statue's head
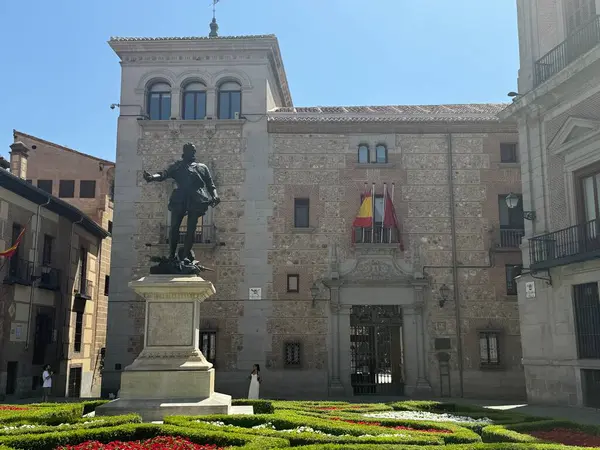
189,152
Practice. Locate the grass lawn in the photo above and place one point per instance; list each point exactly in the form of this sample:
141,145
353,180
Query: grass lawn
302,425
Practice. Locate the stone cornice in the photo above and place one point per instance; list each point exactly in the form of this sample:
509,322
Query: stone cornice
220,50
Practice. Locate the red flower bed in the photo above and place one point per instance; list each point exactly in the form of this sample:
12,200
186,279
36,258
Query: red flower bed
566,436
157,443
13,408
399,427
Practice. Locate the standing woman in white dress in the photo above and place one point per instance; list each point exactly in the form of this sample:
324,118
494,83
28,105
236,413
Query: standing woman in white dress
255,380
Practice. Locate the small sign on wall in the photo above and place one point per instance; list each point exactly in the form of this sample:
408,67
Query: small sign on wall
254,293
530,289
16,332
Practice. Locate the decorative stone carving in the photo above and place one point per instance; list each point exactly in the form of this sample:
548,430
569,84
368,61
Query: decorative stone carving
377,269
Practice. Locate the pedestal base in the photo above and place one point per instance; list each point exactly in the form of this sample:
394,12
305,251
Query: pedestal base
156,409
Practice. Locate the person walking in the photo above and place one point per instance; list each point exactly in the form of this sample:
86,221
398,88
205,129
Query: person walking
47,382
253,391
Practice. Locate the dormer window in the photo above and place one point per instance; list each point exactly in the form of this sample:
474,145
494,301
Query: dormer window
230,100
159,101
194,102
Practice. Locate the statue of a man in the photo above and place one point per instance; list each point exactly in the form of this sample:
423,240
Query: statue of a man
194,193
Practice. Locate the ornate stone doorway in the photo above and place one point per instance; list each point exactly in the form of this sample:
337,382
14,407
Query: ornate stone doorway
376,361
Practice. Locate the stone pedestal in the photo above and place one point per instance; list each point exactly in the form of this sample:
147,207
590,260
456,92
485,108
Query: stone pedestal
171,376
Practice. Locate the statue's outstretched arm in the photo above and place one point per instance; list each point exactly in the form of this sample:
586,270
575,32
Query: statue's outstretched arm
160,176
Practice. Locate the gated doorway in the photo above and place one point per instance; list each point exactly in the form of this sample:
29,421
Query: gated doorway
376,350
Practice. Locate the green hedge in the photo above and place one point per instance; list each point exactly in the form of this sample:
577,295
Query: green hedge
518,432
45,414
502,446
342,431
91,405
320,407
134,432
83,423
260,406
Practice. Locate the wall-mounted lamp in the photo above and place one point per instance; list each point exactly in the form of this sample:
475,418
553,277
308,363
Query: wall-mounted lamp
512,201
444,293
314,291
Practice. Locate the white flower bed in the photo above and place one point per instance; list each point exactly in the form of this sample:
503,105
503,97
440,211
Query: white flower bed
427,416
29,426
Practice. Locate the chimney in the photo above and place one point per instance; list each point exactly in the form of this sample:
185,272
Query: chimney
18,159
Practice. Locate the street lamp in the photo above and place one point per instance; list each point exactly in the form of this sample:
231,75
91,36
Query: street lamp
314,291
444,293
512,201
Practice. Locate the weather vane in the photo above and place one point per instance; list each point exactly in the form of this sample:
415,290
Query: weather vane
214,28
214,6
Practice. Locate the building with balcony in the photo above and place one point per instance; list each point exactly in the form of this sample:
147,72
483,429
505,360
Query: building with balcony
49,299
418,299
557,109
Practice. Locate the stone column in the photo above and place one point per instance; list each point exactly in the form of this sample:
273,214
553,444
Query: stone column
211,103
423,385
336,388
175,103
344,347
171,376
411,349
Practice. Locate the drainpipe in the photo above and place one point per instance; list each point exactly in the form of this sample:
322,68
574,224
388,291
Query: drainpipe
459,345
96,305
36,238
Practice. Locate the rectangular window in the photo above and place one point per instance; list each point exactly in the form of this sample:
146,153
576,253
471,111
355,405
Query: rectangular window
159,106
293,283
586,305
42,338
488,349
83,271
292,354
508,153
230,103
589,194
110,225
106,284
47,250
381,154
194,106
378,210
301,210
66,188
87,189
578,13
591,388
45,185
208,343
363,154
512,271
78,338
511,218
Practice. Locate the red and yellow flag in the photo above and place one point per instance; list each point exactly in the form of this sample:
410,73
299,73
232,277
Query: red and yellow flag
364,218
9,252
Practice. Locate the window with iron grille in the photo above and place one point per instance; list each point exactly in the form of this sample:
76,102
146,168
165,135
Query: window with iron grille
489,354
292,354
78,331
586,305
208,345
508,153
47,250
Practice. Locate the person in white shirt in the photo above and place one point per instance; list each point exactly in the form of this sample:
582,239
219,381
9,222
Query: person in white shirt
46,382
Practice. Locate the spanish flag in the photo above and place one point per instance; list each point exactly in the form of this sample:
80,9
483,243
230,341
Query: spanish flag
9,252
364,219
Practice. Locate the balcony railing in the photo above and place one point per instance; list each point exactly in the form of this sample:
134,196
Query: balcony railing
577,44
377,235
510,237
20,271
202,235
84,289
569,245
49,277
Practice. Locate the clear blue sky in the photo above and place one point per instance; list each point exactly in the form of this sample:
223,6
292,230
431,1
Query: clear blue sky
59,75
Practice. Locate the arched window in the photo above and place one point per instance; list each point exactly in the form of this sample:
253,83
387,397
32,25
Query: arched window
230,100
194,102
159,101
381,154
363,154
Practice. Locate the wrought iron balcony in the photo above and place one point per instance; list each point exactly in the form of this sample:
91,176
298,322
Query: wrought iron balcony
48,277
202,235
510,237
20,271
577,44
84,289
570,245
376,235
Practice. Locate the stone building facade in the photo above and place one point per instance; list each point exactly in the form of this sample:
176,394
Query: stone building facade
87,183
48,296
423,310
557,110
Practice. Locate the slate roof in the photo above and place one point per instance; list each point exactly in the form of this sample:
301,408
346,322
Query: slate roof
191,38
477,112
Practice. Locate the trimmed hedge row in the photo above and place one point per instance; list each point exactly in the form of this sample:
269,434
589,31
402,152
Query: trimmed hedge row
135,432
99,422
503,446
328,407
518,432
260,406
46,414
341,431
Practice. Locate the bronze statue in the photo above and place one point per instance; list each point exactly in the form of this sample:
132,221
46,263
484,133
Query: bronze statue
194,193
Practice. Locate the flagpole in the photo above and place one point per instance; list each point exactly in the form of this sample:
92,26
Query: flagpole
362,230
373,213
393,188
383,213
